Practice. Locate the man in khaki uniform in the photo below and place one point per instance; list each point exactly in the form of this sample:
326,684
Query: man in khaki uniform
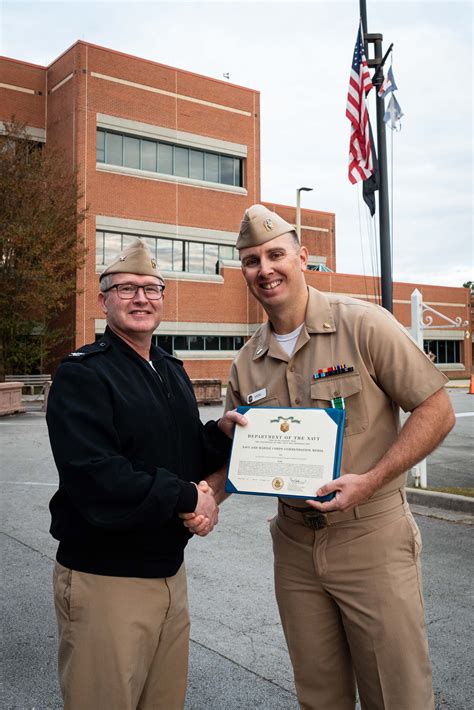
347,571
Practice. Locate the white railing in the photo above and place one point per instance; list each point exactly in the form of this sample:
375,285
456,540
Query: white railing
419,323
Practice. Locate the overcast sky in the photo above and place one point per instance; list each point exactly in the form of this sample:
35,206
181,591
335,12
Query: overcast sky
298,55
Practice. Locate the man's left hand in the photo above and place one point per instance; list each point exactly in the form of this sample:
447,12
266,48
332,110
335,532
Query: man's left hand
351,490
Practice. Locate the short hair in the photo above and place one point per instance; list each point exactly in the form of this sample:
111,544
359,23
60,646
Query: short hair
106,282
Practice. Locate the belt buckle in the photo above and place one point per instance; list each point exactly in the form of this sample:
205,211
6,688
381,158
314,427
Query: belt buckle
315,520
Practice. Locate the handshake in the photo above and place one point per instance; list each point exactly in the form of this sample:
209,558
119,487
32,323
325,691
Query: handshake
206,514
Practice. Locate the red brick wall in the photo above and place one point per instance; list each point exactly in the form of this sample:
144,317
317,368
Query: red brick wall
27,108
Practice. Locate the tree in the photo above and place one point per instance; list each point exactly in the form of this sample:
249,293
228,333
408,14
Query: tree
40,250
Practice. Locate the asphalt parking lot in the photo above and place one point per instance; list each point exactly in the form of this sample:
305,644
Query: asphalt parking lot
238,654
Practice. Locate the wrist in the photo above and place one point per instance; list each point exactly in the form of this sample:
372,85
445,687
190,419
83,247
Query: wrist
371,483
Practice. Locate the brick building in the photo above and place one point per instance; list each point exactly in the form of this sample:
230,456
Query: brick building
174,157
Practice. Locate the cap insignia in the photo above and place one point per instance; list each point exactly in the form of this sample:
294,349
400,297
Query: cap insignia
268,224
153,263
122,258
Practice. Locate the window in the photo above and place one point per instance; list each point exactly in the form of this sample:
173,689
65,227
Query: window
444,351
196,164
148,155
156,156
113,149
131,152
171,343
100,147
171,254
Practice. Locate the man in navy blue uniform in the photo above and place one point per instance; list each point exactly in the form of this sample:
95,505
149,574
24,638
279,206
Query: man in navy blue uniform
131,452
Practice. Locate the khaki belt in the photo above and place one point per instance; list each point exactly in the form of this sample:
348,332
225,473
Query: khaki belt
316,520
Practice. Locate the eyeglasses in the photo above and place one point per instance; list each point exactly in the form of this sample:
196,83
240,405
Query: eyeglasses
128,291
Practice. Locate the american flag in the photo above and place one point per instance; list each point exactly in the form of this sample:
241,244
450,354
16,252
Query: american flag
360,157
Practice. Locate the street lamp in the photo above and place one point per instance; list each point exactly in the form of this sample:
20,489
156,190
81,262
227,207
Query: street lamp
298,209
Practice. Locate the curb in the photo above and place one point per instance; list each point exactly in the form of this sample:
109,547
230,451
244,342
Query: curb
448,501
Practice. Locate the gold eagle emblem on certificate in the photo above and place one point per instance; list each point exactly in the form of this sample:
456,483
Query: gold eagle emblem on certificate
285,426
278,484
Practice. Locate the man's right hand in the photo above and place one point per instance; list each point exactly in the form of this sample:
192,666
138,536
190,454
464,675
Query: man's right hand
206,514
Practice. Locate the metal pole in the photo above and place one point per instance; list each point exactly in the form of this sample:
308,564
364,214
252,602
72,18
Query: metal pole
298,215
384,216
416,315
298,209
419,470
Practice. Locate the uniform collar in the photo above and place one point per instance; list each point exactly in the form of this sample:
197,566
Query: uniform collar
318,319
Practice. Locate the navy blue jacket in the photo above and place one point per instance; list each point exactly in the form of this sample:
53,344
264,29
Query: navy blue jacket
127,442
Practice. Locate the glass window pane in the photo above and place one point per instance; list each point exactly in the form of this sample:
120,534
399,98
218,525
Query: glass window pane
99,248
180,342
113,149
195,260
238,342
181,161
196,342
112,246
227,170
237,172
165,158
211,342
210,258
227,342
165,342
127,239
226,252
441,351
164,254
196,164
131,152
100,147
151,244
450,351
212,167
177,255
148,149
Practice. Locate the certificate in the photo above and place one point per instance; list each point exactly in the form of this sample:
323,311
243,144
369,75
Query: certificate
286,451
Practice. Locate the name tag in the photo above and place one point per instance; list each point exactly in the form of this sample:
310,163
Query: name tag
255,396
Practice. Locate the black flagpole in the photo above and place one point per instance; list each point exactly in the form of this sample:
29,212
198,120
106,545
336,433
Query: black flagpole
384,216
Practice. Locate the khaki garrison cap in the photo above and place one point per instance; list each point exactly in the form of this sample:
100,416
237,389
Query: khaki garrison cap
134,259
260,225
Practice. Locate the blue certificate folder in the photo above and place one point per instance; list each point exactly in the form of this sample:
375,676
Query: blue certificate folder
338,417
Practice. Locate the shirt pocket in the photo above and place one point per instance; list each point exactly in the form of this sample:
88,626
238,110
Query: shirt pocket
267,401
349,387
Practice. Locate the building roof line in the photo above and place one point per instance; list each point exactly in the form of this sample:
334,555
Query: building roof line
149,61
20,61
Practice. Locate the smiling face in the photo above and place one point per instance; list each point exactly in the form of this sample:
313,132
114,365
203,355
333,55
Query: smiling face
137,317
274,271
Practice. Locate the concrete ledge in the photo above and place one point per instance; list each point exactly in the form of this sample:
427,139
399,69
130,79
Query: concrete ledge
10,398
448,501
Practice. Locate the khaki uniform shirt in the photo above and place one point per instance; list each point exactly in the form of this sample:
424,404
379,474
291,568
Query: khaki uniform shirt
390,371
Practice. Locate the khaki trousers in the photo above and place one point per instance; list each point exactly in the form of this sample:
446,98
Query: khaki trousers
123,642
351,605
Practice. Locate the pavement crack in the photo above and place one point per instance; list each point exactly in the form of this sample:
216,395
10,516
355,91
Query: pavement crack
25,544
244,668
